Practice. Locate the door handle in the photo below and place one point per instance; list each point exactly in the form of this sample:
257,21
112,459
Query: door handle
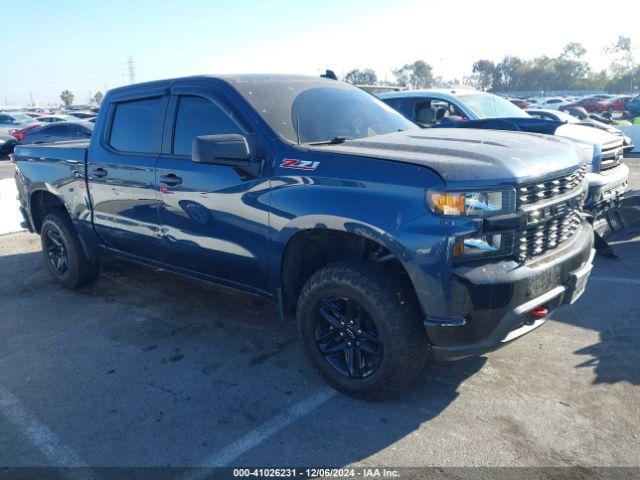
99,172
171,179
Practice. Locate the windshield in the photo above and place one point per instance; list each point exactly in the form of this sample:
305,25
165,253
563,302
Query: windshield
565,117
307,110
492,106
22,118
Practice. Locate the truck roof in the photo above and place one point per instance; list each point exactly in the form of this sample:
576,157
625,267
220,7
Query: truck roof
233,79
452,92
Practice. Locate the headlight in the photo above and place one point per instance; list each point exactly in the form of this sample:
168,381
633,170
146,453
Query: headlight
472,204
491,245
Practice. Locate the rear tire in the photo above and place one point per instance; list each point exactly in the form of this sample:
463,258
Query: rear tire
63,253
362,312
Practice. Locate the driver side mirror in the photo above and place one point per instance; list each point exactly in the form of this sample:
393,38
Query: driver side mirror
230,149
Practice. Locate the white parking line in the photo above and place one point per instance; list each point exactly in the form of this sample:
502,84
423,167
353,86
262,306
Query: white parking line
254,438
42,438
632,281
10,217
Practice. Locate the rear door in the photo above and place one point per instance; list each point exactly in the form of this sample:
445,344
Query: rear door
214,218
122,175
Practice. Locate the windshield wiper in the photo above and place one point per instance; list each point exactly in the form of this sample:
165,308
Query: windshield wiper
333,141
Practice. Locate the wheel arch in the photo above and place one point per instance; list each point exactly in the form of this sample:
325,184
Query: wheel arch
307,250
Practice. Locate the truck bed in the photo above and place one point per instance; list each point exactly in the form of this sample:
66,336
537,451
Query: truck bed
73,151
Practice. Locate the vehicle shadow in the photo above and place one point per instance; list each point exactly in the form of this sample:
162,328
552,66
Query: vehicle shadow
608,308
227,359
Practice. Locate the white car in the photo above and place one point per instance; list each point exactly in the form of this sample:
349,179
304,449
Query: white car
559,116
551,103
55,118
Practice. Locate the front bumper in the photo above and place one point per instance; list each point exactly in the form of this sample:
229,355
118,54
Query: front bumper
498,298
606,188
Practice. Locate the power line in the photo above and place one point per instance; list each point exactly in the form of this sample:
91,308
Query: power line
132,71
75,79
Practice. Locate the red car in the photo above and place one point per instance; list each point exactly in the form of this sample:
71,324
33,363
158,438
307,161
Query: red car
617,104
520,103
590,104
19,134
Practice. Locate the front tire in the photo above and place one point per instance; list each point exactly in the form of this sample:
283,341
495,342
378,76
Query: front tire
63,253
361,329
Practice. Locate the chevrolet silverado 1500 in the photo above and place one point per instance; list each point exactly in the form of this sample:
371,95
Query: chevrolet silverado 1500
389,244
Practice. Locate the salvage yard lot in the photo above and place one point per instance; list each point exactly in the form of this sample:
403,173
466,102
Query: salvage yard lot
146,368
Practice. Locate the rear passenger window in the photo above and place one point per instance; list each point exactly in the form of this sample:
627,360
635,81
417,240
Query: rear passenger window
137,126
57,130
199,116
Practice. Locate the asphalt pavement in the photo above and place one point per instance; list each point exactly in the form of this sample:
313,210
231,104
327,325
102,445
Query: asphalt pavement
149,369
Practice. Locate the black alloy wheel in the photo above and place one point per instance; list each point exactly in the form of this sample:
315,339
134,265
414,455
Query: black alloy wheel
347,337
56,251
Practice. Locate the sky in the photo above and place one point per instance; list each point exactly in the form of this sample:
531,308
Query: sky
84,46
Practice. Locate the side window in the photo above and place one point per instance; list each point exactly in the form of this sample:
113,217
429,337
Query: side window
78,131
56,131
423,113
434,112
5,119
137,126
199,116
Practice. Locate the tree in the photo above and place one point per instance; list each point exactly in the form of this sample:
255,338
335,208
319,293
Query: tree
573,50
67,97
623,64
508,74
417,75
483,73
98,97
361,77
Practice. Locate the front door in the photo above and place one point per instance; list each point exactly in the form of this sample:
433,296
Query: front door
214,218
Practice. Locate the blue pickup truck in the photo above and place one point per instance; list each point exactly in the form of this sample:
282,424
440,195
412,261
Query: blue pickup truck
389,244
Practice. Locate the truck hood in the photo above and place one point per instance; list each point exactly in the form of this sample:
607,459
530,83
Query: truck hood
469,157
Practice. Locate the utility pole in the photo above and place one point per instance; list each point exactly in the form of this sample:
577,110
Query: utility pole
132,72
31,96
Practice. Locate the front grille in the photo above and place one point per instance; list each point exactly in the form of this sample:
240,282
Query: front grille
549,225
551,188
546,236
612,154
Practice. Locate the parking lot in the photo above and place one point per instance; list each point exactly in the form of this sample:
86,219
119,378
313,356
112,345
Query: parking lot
146,368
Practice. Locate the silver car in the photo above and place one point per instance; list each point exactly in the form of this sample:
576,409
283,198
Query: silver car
14,121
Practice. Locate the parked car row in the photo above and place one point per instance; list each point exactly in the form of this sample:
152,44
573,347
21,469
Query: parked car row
601,149
598,103
25,127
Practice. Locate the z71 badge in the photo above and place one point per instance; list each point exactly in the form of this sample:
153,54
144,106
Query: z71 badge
299,164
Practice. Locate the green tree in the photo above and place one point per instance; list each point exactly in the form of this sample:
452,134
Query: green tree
98,97
624,63
573,50
483,74
508,74
416,75
67,97
361,77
